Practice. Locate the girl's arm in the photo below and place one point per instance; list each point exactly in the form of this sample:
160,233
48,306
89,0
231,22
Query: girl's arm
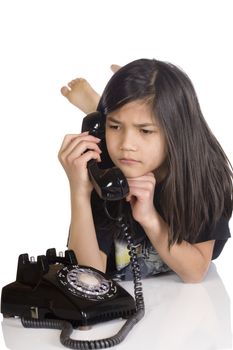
75,152
189,261
82,239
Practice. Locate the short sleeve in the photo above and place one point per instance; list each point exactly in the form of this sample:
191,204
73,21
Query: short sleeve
220,233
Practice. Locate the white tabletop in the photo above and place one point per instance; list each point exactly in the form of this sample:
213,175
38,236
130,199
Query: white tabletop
178,316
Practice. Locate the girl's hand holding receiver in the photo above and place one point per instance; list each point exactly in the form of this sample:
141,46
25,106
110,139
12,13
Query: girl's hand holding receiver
76,150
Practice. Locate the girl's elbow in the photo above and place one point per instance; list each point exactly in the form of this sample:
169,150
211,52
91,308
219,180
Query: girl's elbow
195,277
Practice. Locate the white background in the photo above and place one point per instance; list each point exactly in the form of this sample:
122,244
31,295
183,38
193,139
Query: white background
46,43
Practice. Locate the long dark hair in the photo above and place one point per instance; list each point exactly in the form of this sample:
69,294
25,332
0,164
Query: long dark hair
198,189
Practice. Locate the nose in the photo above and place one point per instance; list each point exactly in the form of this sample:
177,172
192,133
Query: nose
128,141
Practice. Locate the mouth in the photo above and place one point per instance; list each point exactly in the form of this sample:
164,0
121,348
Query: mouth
129,161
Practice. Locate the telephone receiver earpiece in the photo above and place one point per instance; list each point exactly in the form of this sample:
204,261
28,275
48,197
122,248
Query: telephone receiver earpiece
110,184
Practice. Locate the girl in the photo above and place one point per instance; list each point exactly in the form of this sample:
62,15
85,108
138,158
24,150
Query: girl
179,178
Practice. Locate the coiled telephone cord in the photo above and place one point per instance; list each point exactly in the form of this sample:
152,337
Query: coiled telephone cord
67,328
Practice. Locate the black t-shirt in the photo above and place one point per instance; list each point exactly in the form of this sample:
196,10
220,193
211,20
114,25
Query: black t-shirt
149,260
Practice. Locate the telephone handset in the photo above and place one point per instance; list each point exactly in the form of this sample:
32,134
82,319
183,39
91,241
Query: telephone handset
55,292
110,184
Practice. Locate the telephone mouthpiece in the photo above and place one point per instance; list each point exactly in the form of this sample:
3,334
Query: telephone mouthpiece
110,184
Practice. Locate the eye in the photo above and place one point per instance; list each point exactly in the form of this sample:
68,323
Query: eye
146,131
114,126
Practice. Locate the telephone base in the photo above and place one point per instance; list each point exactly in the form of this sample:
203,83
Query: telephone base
59,291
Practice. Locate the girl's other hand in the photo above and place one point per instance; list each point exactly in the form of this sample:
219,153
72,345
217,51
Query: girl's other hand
141,197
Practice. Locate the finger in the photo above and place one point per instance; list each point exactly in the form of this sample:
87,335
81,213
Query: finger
70,141
148,186
139,194
141,182
128,198
81,140
80,149
141,189
143,177
69,138
88,156
83,160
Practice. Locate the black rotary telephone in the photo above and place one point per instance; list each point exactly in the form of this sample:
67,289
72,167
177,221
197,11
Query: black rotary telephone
55,292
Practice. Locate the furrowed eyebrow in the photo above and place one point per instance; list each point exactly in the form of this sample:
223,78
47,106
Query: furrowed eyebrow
144,125
113,120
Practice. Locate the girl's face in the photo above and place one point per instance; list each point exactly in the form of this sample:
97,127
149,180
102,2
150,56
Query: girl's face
135,141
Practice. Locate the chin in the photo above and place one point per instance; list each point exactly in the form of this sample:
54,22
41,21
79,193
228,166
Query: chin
132,173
